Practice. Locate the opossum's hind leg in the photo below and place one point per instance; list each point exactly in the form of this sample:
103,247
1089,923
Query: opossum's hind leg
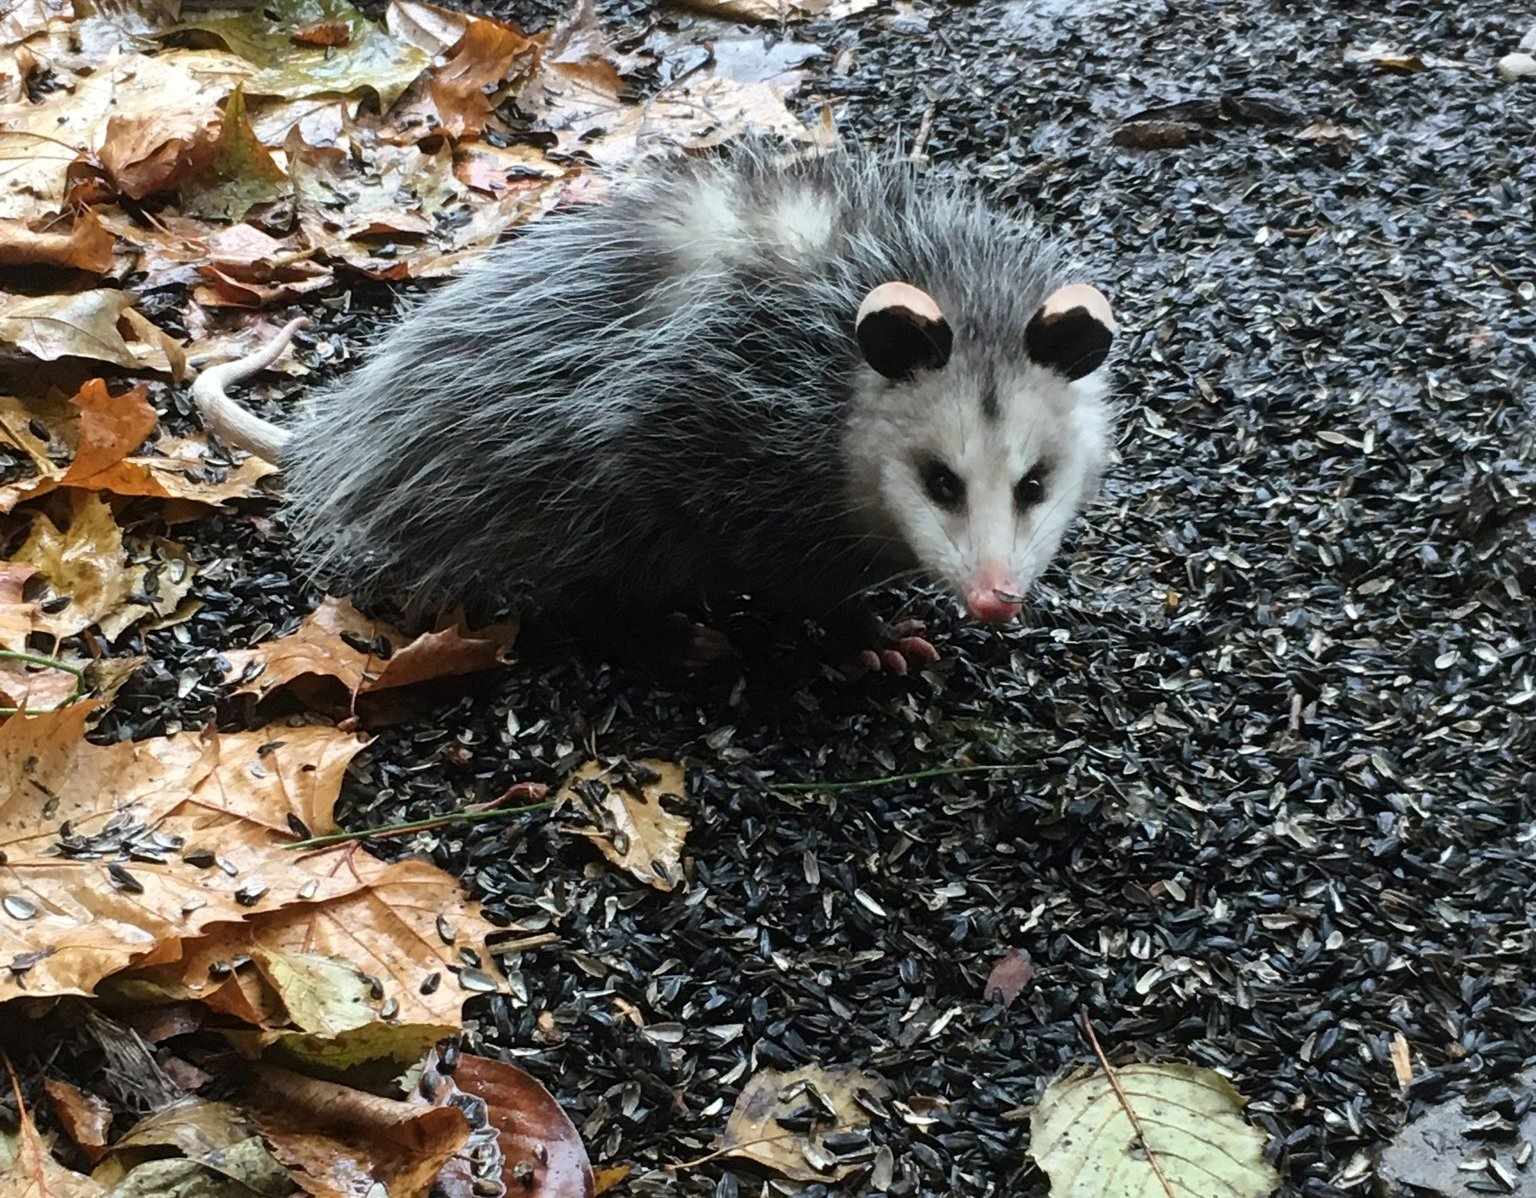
870,646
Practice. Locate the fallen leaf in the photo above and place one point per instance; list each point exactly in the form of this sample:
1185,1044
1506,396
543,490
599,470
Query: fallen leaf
88,559
1392,60
180,468
263,284
487,53
1083,1138
610,1178
340,1142
378,938
633,830
753,1132
371,59
19,617
154,113
84,245
97,428
211,1136
65,924
239,173
541,1149
322,33
85,1118
27,1167
1008,978
86,324
338,642
22,19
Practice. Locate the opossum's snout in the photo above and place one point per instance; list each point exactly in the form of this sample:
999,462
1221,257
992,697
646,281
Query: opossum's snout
993,596
983,461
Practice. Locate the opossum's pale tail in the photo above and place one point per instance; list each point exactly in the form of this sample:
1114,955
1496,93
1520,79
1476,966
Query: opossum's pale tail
226,418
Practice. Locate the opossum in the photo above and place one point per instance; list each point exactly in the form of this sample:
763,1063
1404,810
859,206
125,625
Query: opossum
791,377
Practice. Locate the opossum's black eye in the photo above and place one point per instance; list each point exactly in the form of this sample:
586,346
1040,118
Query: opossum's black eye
943,485
1030,489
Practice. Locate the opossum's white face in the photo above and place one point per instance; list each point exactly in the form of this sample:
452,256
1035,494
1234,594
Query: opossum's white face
980,467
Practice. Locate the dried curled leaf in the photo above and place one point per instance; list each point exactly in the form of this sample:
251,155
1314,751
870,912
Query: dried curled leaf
633,829
754,1133
339,1142
365,656
1083,1138
82,245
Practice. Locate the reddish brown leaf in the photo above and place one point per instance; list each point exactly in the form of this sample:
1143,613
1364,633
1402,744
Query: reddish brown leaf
488,53
1009,976
532,1129
322,33
85,1118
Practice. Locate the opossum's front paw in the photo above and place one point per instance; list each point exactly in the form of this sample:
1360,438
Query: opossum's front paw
905,651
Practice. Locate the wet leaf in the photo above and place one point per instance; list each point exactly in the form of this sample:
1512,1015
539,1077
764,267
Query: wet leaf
86,324
369,60
111,584
488,53
381,928
142,118
27,1167
326,644
85,1118
339,1141
22,19
179,468
1084,1140
235,791
636,833
98,428
81,245
219,1148
536,1137
239,174
754,1132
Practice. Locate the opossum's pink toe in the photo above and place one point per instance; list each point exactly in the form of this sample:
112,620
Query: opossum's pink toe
893,661
917,650
867,662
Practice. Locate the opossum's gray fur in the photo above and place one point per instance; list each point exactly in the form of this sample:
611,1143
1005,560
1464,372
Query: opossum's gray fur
609,408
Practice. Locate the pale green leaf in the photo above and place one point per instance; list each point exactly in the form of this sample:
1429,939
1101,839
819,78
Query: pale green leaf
1082,1137
241,173
265,36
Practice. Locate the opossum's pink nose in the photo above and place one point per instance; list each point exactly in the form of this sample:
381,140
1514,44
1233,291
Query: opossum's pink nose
990,597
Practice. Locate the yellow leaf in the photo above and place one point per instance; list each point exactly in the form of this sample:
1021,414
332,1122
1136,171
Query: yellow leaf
633,830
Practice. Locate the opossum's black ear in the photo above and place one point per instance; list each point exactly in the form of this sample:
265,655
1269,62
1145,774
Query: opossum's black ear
1072,332
901,331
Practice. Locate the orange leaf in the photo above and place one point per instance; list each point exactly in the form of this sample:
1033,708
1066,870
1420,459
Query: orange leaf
86,1119
85,245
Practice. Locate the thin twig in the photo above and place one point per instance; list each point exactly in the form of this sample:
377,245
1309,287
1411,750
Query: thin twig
924,128
1125,1103
420,825
944,771
719,1152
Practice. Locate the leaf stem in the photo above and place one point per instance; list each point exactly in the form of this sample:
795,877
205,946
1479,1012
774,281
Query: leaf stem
943,771
420,825
1125,1104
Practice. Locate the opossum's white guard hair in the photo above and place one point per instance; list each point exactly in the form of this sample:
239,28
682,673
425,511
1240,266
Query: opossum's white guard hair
662,395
